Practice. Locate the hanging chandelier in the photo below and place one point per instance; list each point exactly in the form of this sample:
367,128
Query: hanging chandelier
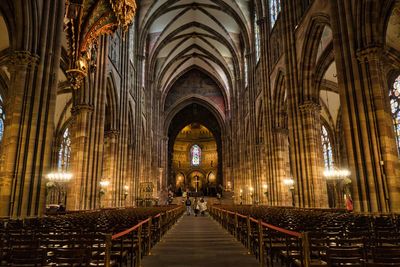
335,174
59,176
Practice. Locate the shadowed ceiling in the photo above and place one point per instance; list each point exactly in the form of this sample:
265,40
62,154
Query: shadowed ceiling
209,34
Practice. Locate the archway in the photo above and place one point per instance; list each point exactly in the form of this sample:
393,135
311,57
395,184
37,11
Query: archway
195,132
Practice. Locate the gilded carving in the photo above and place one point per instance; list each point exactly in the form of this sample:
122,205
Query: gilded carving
85,21
124,11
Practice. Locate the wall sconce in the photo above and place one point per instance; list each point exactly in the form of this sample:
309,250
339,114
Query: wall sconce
103,185
126,188
290,183
251,191
265,188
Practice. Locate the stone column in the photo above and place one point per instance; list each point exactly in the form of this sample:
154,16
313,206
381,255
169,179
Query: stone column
87,135
313,184
367,122
29,107
281,147
82,115
114,195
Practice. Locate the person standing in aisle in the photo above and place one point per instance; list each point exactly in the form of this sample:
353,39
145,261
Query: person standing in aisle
188,204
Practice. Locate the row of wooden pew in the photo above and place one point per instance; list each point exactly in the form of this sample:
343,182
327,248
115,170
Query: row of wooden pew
281,236
113,237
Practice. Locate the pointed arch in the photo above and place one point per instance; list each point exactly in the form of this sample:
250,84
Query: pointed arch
112,119
309,57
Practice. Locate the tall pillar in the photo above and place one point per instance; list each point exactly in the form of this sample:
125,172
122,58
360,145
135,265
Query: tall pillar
87,135
82,114
281,147
314,189
29,107
113,197
367,122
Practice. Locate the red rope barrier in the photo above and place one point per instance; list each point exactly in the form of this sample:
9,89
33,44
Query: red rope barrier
273,227
253,220
127,231
241,216
282,230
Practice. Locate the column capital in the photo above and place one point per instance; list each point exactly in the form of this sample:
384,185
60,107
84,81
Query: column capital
280,130
80,108
111,134
371,53
309,106
261,21
23,58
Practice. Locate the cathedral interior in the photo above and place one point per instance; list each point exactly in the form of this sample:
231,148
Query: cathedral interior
258,106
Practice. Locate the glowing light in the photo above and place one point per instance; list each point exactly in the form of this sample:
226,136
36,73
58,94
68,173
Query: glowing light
59,176
288,181
265,186
336,173
104,183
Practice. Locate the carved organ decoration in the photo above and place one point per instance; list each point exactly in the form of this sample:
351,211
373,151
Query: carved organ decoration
85,21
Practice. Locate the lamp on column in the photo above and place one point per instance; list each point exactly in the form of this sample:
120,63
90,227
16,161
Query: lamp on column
289,182
251,189
103,189
126,188
265,189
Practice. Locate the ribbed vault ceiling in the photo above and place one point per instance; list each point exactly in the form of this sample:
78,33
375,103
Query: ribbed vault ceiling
208,34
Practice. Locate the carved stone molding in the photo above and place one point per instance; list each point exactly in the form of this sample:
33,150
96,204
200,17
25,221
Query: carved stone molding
22,59
309,106
281,131
111,134
261,21
80,108
373,53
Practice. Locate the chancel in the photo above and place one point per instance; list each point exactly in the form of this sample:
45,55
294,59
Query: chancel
277,119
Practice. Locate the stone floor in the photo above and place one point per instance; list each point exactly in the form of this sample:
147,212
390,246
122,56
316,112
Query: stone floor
198,242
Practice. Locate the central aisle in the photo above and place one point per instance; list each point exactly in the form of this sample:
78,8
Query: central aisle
198,242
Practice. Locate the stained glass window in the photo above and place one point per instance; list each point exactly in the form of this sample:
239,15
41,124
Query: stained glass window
394,95
326,148
256,37
64,152
2,118
274,9
195,153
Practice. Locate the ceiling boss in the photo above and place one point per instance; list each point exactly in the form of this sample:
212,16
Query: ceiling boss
85,21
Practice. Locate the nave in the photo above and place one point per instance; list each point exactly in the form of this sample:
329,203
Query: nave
197,242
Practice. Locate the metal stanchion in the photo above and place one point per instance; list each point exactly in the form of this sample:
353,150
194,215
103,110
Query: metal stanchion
139,256
236,225
107,256
306,249
248,233
149,236
261,243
